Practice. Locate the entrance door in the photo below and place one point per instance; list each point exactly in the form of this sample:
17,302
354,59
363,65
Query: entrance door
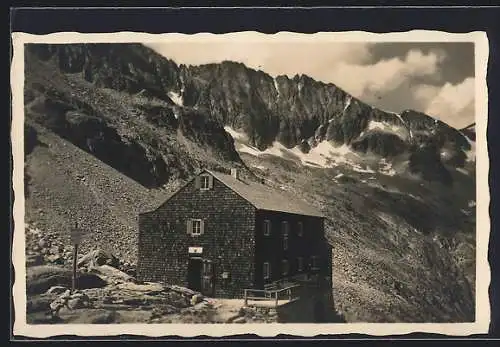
207,278
194,274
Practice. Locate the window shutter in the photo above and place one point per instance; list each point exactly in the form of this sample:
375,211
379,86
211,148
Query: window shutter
210,181
197,182
202,226
189,226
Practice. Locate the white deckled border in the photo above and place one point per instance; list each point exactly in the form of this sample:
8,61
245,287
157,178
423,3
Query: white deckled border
266,330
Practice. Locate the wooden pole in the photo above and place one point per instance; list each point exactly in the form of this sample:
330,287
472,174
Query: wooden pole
75,255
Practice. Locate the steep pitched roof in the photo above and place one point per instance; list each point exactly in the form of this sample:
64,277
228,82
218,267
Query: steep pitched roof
264,197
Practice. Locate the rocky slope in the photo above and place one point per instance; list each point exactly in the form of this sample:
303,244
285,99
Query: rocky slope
111,128
139,134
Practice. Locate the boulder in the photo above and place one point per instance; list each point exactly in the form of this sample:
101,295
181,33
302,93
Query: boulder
197,298
34,260
149,288
56,249
182,290
108,273
90,280
240,320
38,304
55,259
41,278
78,302
98,257
105,317
56,290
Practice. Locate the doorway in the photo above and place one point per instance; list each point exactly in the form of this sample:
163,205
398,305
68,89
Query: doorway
194,274
201,275
207,284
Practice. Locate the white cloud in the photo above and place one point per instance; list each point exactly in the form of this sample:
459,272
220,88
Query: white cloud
275,58
453,104
364,81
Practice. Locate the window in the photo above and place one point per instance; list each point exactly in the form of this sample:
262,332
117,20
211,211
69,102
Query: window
267,227
195,227
300,229
266,270
284,230
204,182
285,267
300,264
314,262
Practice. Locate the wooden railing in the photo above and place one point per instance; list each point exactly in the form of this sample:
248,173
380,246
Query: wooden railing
289,293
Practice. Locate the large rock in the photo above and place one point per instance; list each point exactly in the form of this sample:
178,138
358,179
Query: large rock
55,259
111,273
39,279
38,304
98,257
57,290
195,299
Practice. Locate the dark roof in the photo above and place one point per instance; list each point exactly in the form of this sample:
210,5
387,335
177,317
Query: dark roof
264,197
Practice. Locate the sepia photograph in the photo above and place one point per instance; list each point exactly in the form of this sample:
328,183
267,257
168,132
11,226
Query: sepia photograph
250,180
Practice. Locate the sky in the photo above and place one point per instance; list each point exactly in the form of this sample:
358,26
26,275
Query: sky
434,78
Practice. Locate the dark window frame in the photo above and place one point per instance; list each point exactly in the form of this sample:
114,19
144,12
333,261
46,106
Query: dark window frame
285,231
300,264
266,270
314,262
300,229
267,227
285,267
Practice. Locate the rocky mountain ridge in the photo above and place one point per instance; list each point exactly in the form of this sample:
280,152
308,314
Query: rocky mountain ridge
296,112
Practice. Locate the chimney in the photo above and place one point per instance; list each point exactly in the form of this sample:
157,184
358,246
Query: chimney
235,173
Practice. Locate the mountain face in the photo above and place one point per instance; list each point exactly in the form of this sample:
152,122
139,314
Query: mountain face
296,112
110,128
75,90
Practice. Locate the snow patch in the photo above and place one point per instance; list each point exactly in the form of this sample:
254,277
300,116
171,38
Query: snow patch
386,168
260,167
176,112
235,134
358,168
415,197
243,148
276,86
387,127
347,102
324,155
176,98
471,154
404,123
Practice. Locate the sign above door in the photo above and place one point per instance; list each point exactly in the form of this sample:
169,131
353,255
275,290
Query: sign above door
195,250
